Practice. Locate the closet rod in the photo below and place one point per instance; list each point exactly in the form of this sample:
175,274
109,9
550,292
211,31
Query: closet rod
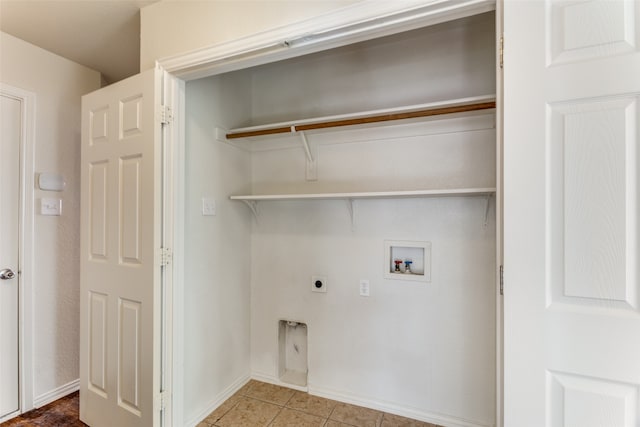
365,120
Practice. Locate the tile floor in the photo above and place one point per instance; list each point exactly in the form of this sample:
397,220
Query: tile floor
261,404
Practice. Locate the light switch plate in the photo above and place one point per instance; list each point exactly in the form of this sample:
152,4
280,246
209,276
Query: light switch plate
50,206
364,288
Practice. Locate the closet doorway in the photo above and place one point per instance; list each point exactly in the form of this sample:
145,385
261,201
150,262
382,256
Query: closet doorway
262,213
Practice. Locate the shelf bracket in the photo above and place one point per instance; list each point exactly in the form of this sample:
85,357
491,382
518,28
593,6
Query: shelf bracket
486,210
253,205
351,206
312,166
305,144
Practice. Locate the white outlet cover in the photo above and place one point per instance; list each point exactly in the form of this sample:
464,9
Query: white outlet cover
322,279
208,206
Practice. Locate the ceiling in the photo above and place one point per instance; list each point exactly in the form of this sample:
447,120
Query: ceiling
100,34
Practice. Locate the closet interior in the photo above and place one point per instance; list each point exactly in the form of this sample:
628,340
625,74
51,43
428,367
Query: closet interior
370,169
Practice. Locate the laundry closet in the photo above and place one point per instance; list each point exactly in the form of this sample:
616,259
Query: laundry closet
356,261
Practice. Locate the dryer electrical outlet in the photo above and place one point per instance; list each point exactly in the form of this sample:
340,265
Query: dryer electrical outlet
319,283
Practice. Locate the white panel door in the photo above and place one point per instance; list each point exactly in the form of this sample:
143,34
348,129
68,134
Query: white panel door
572,213
10,138
120,236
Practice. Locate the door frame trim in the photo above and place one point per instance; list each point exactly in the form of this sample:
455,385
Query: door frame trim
173,137
26,244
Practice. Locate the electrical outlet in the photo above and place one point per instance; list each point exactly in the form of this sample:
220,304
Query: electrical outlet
319,283
364,288
208,206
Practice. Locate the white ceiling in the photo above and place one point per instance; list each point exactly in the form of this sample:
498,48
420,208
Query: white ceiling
100,34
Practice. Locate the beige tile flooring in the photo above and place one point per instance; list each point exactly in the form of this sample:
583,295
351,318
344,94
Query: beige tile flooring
261,404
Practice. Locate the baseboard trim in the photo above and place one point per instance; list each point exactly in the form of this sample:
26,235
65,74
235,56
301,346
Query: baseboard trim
57,393
429,417
266,378
9,416
218,400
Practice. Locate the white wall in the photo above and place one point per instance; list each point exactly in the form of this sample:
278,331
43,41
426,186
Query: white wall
452,60
425,350
171,27
58,84
217,254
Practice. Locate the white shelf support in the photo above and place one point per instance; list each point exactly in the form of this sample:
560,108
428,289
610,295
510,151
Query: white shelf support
312,165
351,206
253,205
305,144
486,210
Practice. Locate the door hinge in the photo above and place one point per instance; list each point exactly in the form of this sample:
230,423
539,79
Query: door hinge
162,400
501,51
501,280
166,114
165,255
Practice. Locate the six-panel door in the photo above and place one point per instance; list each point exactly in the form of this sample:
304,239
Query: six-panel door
572,213
120,235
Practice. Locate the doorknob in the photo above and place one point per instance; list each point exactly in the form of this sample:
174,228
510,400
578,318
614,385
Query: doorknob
7,274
